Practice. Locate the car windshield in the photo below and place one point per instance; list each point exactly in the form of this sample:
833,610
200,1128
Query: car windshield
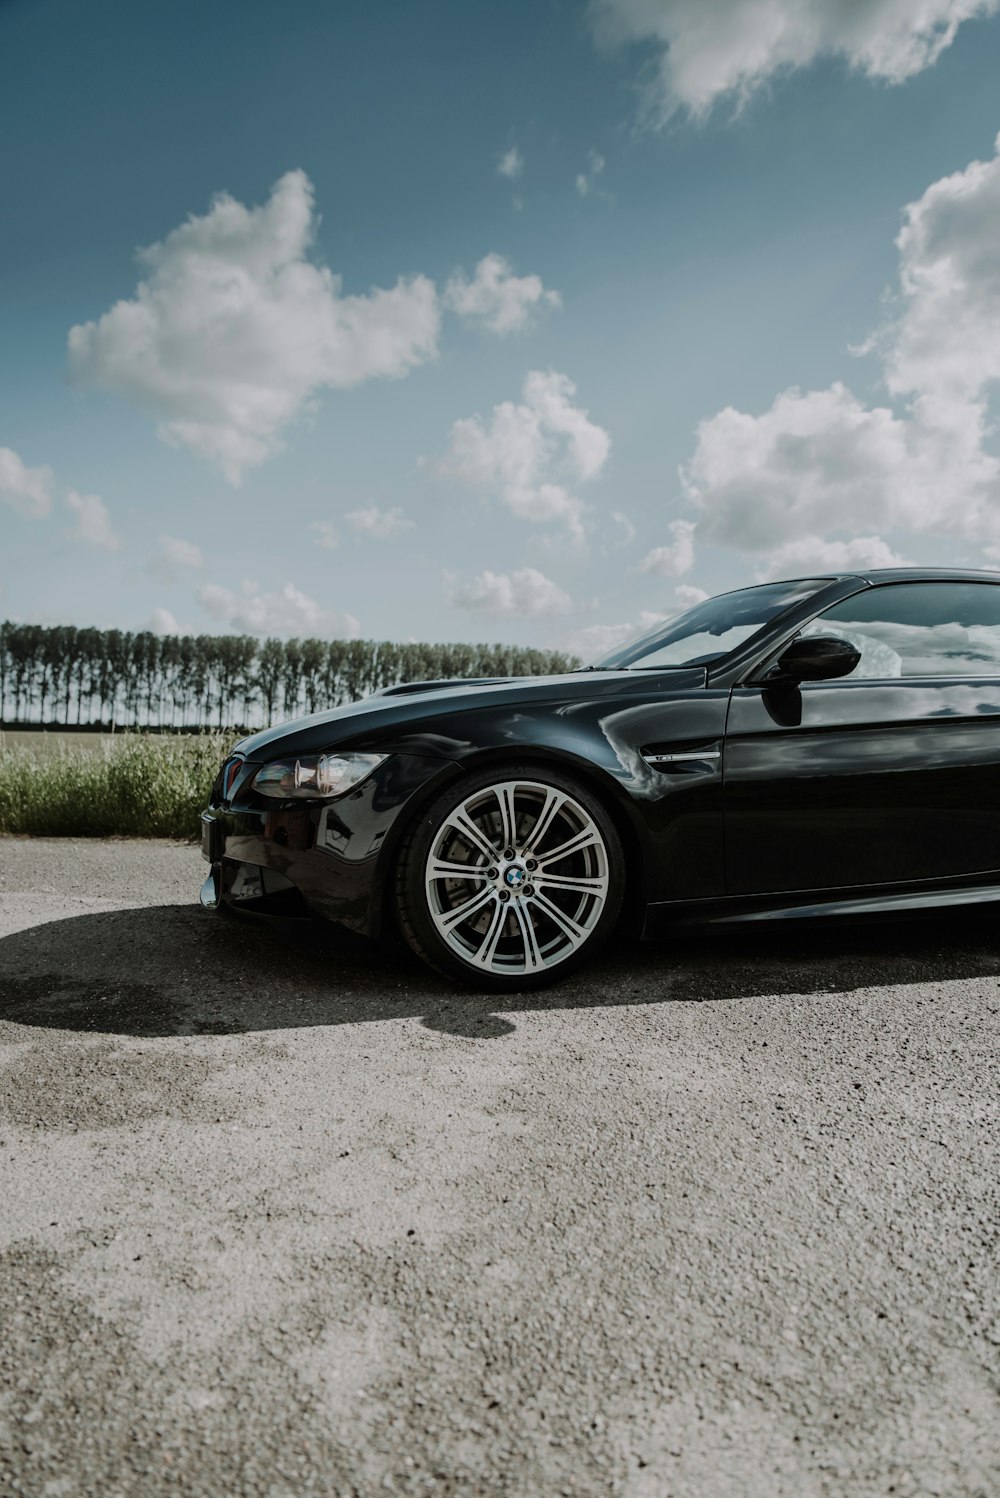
711,629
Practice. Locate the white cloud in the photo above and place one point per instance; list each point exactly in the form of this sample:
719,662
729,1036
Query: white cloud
93,523
288,611
945,347
162,622
382,525
234,328
812,555
732,48
687,595
525,593
587,181
27,490
326,534
628,528
174,557
511,164
496,298
812,456
528,453
595,640
676,558
822,466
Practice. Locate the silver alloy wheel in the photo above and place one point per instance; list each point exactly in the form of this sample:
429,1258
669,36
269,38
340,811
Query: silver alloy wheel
517,877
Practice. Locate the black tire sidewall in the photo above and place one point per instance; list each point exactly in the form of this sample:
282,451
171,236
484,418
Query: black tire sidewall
415,917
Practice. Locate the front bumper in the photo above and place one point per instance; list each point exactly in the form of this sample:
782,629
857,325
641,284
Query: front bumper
322,858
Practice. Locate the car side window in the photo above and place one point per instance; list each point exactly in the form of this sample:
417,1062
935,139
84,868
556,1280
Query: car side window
919,629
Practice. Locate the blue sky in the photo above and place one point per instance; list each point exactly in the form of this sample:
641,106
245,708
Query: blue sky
538,405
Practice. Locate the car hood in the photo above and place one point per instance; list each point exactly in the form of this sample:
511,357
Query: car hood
357,723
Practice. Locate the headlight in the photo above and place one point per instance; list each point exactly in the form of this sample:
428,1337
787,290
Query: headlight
313,775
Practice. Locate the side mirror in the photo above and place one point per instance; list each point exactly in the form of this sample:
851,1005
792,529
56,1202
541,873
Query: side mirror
815,658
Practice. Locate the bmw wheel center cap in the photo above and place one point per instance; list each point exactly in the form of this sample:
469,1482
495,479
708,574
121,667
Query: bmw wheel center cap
515,876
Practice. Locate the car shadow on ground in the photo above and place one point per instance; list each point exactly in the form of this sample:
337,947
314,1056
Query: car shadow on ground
170,970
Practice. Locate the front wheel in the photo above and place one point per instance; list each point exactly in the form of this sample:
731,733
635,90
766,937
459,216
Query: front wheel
510,879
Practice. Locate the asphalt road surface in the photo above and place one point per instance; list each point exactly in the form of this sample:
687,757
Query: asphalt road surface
282,1214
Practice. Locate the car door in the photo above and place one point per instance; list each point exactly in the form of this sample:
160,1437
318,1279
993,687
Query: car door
888,776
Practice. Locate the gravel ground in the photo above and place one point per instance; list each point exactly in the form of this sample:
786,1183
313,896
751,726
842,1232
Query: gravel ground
281,1215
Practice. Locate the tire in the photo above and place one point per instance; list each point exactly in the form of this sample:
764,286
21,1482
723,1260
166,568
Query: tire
512,878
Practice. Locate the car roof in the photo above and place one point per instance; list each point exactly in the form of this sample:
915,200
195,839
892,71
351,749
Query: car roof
877,575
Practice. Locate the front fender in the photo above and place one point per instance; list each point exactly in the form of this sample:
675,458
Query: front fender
670,820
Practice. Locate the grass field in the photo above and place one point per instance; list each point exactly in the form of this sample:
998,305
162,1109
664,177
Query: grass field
126,786
96,740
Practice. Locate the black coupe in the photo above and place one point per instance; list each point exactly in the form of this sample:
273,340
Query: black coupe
825,746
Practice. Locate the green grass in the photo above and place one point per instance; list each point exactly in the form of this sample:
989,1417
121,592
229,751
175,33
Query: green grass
136,787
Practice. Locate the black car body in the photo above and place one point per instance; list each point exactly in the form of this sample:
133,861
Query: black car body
842,757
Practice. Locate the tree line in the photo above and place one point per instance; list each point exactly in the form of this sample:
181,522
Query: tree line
65,676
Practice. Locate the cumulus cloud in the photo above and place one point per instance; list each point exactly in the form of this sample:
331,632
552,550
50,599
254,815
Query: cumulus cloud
174,557
587,181
823,474
596,640
162,622
382,525
812,555
813,457
497,299
529,453
676,558
945,346
287,611
525,594
326,534
732,48
687,595
510,164
233,328
629,531
27,490
93,523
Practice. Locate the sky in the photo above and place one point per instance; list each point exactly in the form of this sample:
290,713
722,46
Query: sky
526,321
